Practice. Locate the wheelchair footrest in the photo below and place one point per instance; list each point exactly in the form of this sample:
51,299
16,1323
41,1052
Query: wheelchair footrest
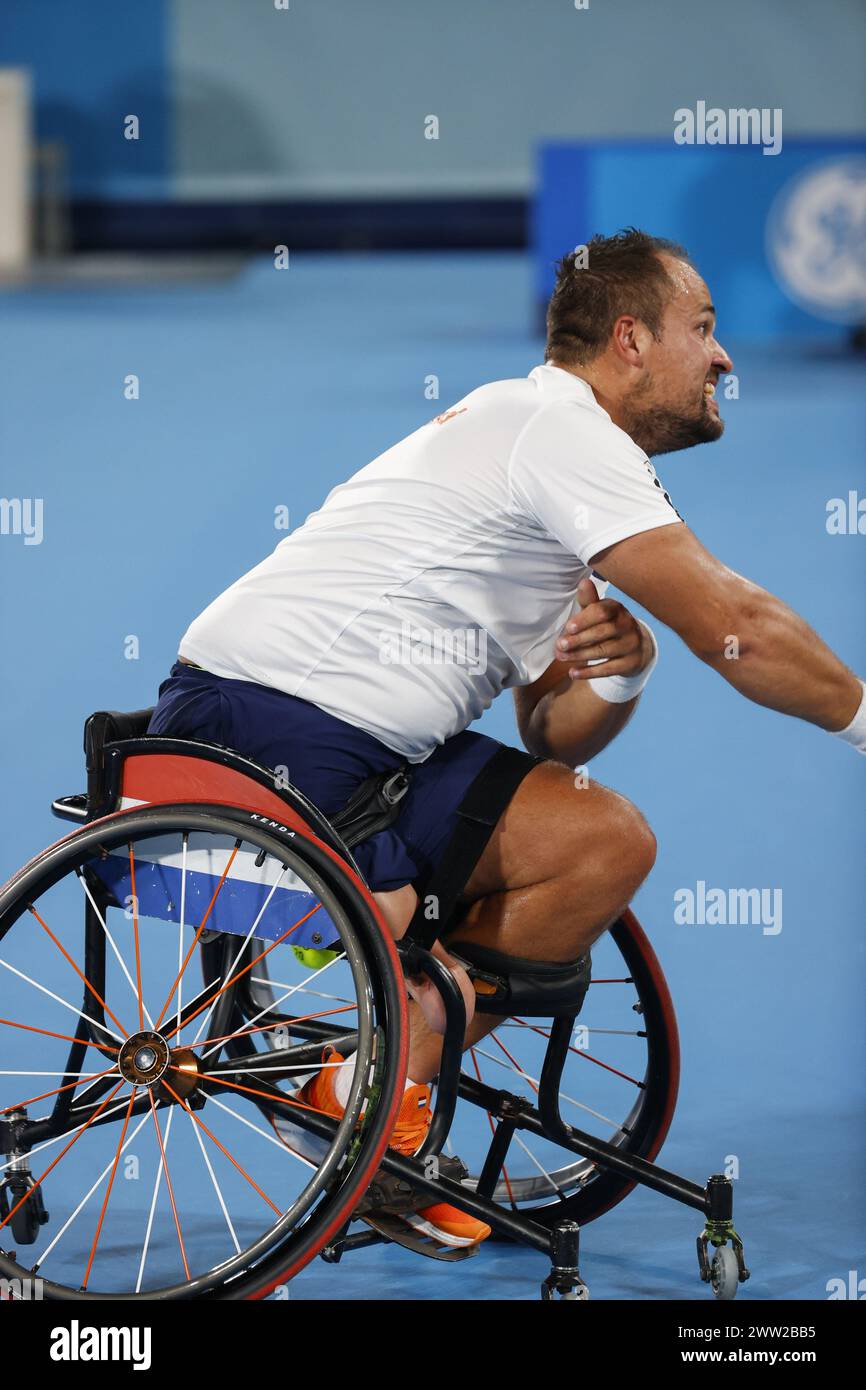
389,1195
395,1229
388,1201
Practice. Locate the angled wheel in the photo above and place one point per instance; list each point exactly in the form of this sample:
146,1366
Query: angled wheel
620,1084
147,1108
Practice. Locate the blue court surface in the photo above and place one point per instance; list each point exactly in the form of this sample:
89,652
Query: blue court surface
264,389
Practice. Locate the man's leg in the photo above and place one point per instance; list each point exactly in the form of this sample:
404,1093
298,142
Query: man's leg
561,865
397,906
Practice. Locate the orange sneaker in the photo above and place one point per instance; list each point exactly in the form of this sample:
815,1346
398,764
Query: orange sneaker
448,1225
442,1221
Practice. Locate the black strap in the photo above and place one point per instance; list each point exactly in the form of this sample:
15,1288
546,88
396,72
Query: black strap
479,812
373,806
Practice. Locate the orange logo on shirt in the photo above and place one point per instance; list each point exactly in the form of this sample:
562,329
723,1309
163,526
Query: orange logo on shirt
448,415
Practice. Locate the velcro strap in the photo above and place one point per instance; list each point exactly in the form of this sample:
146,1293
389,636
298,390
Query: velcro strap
507,985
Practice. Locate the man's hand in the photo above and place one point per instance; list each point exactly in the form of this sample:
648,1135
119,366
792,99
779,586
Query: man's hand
606,633
559,715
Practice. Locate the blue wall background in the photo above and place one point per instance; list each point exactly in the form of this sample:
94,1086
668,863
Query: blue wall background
715,200
92,65
238,99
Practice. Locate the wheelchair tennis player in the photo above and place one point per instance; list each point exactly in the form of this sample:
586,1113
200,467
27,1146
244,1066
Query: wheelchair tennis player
457,564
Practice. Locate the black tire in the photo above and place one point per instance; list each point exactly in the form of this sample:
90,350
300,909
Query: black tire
590,1190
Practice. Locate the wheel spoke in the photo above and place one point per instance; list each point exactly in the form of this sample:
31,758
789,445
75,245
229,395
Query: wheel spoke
234,979
70,1086
195,940
82,1204
110,939
516,1065
102,1212
280,1143
245,1032
223,1149
181,926
136,938
562,1094
58,1138
103,1027
216,1187
278,1099
581,1052
290,990
168,1183
82,1075
37,1182
46,1033
150,1216
80,973
241,949
304,988
275,1126
540,1166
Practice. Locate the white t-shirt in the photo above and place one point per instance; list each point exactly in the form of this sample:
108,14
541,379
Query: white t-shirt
443,571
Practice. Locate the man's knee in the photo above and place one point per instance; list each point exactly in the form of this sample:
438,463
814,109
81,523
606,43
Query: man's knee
622,846
637,839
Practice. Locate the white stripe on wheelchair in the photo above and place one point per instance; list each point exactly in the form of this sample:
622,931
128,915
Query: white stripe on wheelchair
159,881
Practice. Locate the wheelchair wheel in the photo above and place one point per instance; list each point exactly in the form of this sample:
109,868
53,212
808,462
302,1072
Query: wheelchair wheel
623,1062
147,1110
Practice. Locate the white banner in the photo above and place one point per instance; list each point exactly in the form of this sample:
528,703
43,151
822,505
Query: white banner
15,168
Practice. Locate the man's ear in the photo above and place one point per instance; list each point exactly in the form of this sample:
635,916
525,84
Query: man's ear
631,339
624,337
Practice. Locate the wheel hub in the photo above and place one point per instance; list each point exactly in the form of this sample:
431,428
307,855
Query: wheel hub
144,1058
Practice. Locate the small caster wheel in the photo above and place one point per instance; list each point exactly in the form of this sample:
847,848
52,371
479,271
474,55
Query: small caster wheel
724,1273
550,1293
30,1214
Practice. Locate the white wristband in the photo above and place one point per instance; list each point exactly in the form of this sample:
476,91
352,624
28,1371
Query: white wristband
618,689
855,732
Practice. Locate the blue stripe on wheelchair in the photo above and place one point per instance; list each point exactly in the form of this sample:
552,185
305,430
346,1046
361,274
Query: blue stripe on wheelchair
238,904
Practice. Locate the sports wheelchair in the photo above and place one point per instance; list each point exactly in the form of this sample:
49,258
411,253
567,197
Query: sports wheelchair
157,1119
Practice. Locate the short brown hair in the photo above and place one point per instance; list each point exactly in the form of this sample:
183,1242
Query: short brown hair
623,275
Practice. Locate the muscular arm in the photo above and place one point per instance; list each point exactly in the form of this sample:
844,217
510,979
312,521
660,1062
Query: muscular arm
563,718
780,661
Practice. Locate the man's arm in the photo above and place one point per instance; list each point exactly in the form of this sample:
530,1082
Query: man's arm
564,719
777,660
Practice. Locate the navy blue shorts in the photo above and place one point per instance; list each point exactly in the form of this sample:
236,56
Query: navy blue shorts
326,759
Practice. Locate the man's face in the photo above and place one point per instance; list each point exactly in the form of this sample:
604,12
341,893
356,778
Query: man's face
674,405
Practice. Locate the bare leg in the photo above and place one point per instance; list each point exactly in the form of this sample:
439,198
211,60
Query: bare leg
397,907
560,867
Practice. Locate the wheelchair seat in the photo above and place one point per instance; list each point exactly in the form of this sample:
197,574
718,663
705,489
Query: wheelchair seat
108,726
